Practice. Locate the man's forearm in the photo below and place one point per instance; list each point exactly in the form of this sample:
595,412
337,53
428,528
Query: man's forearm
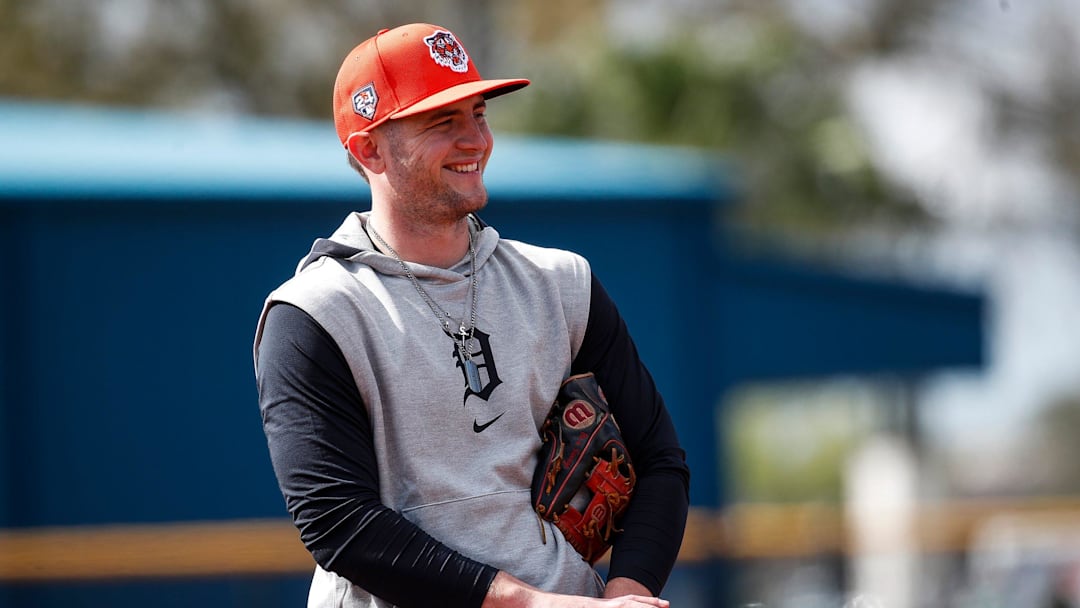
507,591
622,585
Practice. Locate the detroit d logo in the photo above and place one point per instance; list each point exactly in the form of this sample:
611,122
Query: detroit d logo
365,100
447,51
485,364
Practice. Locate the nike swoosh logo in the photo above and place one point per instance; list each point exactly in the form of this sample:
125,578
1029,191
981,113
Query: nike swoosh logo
479,428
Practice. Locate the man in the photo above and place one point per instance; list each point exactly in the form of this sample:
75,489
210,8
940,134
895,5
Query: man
405,370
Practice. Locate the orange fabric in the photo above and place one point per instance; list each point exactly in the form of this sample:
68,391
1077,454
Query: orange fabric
405,71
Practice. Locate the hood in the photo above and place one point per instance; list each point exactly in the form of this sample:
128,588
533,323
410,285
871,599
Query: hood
350,242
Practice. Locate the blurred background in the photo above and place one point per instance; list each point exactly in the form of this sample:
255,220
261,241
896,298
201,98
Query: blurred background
844,234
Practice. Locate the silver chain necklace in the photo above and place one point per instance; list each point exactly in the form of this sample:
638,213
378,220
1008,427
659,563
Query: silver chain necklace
464,334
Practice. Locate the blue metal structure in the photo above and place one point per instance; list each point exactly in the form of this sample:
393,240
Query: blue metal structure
136,249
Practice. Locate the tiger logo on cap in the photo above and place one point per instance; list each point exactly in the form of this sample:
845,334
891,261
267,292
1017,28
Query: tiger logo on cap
447,51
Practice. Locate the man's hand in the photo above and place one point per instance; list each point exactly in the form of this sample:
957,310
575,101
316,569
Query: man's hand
509,592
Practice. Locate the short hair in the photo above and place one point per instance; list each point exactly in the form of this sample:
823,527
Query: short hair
355,164
390,129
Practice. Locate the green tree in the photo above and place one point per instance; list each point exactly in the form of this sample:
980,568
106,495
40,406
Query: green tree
770,100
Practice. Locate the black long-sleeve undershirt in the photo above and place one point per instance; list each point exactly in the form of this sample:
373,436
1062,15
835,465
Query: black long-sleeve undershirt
321,446
653,524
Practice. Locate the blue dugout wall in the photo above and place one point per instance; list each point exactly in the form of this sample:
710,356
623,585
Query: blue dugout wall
136,250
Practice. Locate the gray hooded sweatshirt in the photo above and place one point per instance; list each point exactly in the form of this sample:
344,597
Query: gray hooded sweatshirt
455,461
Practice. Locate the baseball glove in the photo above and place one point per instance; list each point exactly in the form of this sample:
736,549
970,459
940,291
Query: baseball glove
584,477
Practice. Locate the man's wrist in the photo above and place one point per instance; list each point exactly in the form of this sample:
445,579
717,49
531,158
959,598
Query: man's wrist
621,585
507,591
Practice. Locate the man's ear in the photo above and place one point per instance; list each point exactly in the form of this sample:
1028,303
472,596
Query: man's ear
366,152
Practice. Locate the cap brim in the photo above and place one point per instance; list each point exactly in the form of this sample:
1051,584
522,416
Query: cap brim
487,88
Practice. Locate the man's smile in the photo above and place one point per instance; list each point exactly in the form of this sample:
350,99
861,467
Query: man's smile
464,168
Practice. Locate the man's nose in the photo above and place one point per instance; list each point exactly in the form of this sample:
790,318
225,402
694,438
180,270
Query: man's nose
473,135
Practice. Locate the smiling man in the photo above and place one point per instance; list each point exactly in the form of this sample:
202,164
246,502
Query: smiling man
405,371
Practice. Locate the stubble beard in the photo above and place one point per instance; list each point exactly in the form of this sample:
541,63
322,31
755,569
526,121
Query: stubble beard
427,201
434,206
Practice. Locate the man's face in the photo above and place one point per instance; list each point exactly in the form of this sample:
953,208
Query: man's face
435,161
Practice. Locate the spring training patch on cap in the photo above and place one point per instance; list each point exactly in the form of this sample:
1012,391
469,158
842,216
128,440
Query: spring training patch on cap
447,51
365,100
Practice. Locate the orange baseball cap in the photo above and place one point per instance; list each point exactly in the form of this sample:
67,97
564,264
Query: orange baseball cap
405,71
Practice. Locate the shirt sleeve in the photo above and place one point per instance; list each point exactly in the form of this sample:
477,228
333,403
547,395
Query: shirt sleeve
654,523
322,450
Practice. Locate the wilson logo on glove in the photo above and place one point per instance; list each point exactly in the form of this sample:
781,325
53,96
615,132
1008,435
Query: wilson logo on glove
579,415
584,477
